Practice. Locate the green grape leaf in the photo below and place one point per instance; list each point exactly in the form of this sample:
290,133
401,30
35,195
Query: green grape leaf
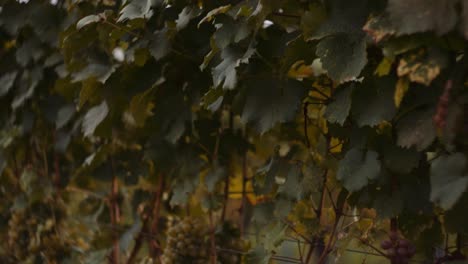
93,118
271,101
64,115
213,13
456,218
214,175
137,9
225,73
258,255
338,110
344,17
27,85
274,236
187,14
312,19
292,184
413,16
160,45
416,129
400,160
229,31
373,102
357,168
263,213
213,99
343,56
449,179
388,206
6,82
94,70
87,20
139,109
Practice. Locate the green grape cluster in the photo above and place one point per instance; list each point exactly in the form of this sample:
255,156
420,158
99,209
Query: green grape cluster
228,239
33,235
187,242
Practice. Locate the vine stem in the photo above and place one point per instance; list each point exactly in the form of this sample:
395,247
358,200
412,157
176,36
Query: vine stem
307,140
114,214
214,162
214,257
154,245
139,239
244,198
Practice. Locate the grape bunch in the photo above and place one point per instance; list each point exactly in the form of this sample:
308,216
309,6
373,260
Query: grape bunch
34,233
398,249
228,238
187,242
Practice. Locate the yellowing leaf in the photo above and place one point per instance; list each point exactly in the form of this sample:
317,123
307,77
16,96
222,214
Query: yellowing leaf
401,88
421,67
139,109
384,67
299,70
335,145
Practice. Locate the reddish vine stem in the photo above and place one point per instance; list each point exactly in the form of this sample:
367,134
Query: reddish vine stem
244,198
311,250
214,161
329,246
154,245
307,140
114,214
214,257
145,227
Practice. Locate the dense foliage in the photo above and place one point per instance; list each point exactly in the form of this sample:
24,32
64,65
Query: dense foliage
245,131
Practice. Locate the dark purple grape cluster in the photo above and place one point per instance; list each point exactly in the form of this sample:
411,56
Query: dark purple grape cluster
398,249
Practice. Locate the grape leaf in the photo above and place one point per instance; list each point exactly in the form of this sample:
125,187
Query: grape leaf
343,56
412,16
160,45
373,102
271,101
87,20
137,9
140,108
64,115
292,184
225,73
344,17
93,118
338,110
422,67
448,179
94,70
357,168
400,160
187,14
388,205
6,82
229,31
416,129
258,255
